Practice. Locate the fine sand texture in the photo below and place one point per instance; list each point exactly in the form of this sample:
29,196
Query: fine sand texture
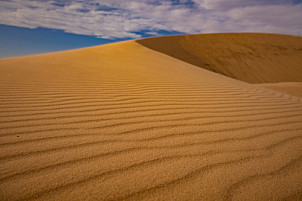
125,122
291,88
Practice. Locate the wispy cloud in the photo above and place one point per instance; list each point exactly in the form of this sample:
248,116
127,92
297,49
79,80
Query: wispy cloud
127,19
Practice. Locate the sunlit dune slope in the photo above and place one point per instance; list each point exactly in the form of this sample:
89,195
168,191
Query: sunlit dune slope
292,88
124,122
250,57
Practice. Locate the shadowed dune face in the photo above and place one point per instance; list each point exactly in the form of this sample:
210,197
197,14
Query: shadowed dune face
252,58
124,122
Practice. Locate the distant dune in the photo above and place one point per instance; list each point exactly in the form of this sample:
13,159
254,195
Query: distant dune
252,58
126,122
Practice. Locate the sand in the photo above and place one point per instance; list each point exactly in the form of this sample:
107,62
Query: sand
291,88
126,122
252,58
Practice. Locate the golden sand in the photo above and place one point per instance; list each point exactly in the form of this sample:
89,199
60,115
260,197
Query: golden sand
124,122
291,88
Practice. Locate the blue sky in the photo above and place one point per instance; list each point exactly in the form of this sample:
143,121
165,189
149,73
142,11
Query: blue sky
38,26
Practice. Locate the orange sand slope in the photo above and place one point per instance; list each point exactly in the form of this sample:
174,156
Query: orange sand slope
292,88
253,58
124,122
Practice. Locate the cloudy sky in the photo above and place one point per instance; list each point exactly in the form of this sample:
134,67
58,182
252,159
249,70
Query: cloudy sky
103,21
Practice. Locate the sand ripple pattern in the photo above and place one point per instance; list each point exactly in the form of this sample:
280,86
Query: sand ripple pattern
123,122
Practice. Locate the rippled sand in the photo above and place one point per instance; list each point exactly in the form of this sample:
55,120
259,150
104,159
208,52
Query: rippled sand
125,122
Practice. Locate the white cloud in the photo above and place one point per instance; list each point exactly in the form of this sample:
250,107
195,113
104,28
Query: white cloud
270,18
231,4
124,19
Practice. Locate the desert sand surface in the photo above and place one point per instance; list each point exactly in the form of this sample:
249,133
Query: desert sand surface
291,88
126,122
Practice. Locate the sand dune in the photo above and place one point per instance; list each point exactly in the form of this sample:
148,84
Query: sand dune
291,88
125,122
253,58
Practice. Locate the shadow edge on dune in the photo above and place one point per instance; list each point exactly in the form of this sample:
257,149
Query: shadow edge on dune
249,57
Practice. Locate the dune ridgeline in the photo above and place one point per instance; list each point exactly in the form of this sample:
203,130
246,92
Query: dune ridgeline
197,117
